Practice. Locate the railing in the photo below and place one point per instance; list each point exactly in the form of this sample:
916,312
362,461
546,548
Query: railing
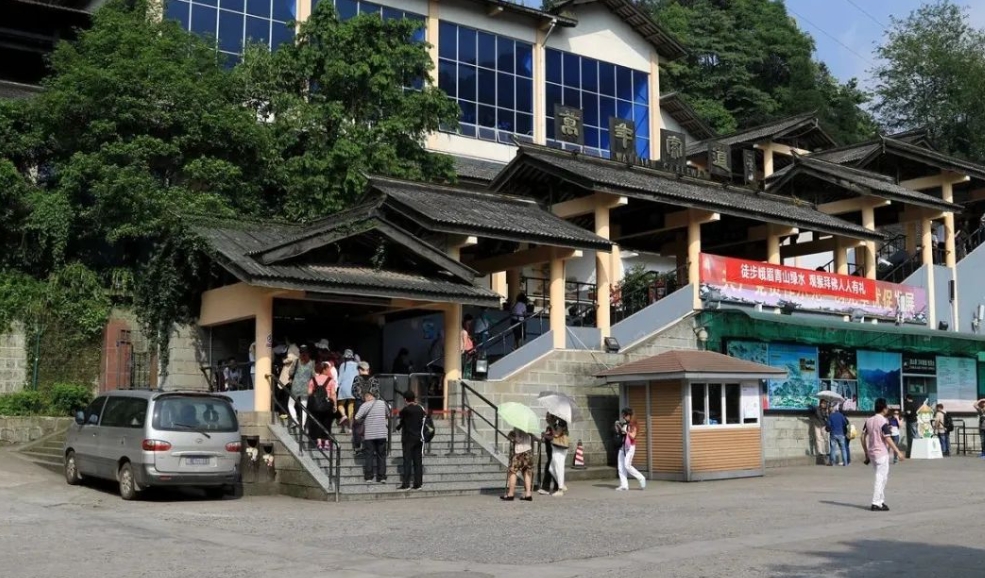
576,294
500,337
334,455
656,286
215,376
468,412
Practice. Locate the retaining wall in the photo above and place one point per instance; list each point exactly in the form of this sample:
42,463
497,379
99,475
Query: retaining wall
21,430
13,359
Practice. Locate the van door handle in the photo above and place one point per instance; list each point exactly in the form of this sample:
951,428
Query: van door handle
123,441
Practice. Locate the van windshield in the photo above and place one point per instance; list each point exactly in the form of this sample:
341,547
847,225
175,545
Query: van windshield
205,414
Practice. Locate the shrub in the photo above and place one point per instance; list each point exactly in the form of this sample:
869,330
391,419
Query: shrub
22,403
60,400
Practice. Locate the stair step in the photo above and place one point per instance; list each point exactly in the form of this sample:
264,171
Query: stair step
44,455
393,477
430,468
389,490
456,461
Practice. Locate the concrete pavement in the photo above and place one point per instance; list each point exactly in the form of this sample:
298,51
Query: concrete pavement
803,522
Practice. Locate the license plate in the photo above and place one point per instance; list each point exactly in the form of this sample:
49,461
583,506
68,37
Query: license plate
197,461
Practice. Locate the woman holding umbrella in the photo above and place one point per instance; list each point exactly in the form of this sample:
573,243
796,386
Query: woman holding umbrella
521,463
559,451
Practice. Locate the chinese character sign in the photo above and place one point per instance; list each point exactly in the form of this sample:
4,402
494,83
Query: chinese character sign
622,139
752,282
673,149
569,125
720,159
749,165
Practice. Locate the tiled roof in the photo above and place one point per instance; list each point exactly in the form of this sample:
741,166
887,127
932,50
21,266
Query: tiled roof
852,179
476,169
530,11
798,126
12,90
685,115
933,158
232,244
847,155
649,184
679,363
644,25
481,213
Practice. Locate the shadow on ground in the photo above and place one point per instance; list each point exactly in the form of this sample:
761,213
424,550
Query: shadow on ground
869,558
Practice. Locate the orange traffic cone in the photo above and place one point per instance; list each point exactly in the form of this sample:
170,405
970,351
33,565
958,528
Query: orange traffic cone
579,457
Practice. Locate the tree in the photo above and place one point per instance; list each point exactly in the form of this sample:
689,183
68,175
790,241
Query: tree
934,75
348,99
750,64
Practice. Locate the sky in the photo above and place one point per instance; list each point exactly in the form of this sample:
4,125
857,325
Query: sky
847,31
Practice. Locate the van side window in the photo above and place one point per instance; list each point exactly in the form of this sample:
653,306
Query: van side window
128,412
95,409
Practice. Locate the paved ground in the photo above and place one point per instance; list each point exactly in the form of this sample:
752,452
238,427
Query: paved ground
796,522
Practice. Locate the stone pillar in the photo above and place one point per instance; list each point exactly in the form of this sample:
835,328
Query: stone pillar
453,344
773,246
869,249
841,256
912,232
694,258
927,255
603,262
497,283
767,161
557,312
617,269
513,285
951,258
263,334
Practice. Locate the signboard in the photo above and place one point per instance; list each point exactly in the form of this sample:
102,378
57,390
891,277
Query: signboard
957,382
919,364
569,125
798,390
751,282
749,166
720,159
879,375
750,403
673,150
622,140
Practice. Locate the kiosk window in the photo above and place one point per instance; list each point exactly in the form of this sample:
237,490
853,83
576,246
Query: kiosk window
716,404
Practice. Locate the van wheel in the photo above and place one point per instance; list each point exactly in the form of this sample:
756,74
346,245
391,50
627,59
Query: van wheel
215,493
72,476
128,486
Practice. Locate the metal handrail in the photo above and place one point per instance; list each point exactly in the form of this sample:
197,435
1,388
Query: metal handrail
213,374
501,336
334,456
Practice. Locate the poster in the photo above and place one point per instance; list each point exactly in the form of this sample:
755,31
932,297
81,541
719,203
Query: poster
751,282
878,376
839,373
754,351
957,382
750,403
799,389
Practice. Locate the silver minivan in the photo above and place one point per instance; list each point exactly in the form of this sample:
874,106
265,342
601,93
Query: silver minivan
149,438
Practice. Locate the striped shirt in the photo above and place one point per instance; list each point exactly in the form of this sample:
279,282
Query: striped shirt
373,415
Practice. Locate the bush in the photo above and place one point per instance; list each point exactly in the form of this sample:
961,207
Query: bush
60,400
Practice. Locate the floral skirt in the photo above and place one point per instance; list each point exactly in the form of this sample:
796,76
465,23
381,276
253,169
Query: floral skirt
521,463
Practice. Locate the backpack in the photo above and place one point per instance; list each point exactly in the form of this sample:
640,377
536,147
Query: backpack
320,402
427,429
618,437
948,422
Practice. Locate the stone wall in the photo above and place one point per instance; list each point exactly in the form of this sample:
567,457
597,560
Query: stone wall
188,353
573,372
788,440
21,430
288,477
13,359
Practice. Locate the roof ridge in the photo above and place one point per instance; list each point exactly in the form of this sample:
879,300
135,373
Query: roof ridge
452,189
840,167
803,115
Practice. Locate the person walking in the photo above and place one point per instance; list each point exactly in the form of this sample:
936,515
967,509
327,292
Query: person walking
363,382
876,443
547,481
303,371
411,428
321,404
980,408
559,453
518,319
347,373
910,408
819,424
372,418
627,429
941,421
836,426
895,425
521,464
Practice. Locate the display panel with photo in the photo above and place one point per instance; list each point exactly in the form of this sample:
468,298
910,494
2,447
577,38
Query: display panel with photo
798,391
878,376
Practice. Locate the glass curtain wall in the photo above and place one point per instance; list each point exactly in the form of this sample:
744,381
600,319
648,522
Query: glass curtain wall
233,23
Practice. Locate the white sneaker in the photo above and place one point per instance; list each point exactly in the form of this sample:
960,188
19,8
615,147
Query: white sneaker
558,494
622,489
564,489
543,492
642,484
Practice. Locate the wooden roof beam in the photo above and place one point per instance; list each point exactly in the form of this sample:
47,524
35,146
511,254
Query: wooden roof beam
587,205
780,149
525,258
852,205
677,220
935,181
817,247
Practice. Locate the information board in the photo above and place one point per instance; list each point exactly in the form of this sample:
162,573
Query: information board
957,382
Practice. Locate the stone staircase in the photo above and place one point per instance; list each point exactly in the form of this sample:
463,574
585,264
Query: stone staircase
46,451
445,473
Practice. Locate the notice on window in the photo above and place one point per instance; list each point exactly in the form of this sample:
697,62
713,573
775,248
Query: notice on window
957,381
750,403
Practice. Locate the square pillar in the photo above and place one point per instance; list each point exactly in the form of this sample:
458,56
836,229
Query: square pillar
694,258
927,255
869,248
453,345
616,272
497,284
950,259
656,120
513,285
263,335
557,303
841,257
603,279
767,161
773,245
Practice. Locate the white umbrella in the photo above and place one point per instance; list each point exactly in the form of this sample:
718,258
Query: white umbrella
560,404
830,396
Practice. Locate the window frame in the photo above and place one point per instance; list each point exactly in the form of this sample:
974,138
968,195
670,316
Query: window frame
129,413
725,385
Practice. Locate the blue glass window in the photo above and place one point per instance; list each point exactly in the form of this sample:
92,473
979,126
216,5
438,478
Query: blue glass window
346,9
234,22
602,90
491,79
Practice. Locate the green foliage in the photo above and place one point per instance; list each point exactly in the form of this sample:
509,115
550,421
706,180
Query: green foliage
932,74
339,107
750,64
60,400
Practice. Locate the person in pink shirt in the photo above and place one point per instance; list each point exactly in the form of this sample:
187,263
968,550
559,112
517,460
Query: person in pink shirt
877,440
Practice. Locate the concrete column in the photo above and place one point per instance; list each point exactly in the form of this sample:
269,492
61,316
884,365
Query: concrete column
497,283
841,257
263,334
557,304
656,120
947,190
453,345
927,255
694,259
513,285
603,263
772,246
617,269
869,249
912,232
540,91
767,162
305,7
